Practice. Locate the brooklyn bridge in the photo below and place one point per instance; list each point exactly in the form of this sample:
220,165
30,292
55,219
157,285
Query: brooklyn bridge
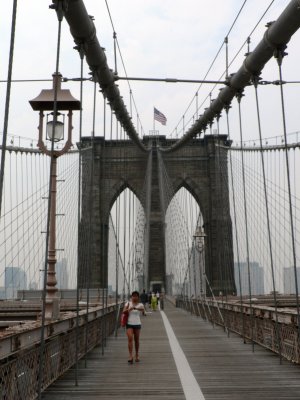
100,196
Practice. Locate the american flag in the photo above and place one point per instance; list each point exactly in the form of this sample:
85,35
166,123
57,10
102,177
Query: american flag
160,117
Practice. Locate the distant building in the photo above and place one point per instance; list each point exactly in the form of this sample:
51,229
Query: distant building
33,285
62,276
289,286
2,293
256,278
14,279
109,289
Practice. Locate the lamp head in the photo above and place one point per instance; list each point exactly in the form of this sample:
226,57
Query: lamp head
55,129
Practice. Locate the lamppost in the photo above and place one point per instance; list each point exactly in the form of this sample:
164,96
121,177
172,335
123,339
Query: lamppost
54,100
200,236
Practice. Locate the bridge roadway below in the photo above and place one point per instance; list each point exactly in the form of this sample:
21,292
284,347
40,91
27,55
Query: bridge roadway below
224,367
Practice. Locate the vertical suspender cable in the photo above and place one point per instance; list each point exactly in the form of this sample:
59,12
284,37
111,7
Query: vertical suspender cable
130,259
235,228
59,8
115,52
224,274
124,239
130,102
91,208
226,48
7,99
278,336
17,216
239,96
11,221
111,124
103,244
279,54
81,54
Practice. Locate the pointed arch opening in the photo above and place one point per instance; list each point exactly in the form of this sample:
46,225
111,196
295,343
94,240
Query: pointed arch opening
183,222
126,251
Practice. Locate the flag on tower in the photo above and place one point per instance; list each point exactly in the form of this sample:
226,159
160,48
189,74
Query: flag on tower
160,117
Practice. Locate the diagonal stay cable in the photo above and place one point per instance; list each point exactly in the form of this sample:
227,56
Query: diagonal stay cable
279,32
212,63
122,59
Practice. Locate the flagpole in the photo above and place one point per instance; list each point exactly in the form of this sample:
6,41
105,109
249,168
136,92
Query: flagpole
153,122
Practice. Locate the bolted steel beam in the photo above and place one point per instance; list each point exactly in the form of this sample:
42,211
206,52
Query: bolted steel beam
275,39
84,33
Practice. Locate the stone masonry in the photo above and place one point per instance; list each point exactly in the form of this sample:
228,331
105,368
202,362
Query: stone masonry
118,164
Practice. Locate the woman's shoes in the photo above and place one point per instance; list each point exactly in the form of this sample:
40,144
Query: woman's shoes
130,361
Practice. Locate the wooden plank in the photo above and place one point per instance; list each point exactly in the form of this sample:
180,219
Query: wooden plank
225,367
110,376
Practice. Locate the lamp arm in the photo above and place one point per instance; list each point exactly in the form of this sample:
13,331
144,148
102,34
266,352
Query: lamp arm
41,144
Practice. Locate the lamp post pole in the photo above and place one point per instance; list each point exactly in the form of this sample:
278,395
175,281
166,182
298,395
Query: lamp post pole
52,307
200,241
63,101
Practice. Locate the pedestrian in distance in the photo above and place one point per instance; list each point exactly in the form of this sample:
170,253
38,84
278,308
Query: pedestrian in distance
144,299
149,298
133,327
153,302
157,297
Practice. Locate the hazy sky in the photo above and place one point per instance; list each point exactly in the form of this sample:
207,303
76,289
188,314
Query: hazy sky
170,38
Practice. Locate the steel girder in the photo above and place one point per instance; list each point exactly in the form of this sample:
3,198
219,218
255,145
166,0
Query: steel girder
84,33
275,39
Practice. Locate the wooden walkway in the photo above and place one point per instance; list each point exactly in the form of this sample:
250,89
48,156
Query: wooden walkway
225,368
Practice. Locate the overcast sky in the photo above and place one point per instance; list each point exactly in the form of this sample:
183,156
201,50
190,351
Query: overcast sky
170,38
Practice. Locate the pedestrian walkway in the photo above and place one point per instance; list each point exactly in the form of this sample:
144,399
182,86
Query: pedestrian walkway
223,368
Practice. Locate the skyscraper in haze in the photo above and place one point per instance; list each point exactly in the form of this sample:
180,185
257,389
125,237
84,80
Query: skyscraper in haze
14,279
62,276
256,278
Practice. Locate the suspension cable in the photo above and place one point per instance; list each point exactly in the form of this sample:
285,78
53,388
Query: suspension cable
7,99
191,130
219,51
279,54
239,97
235,227
255,83
116,43
81,55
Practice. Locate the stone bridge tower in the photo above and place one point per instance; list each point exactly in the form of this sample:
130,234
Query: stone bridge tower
196,166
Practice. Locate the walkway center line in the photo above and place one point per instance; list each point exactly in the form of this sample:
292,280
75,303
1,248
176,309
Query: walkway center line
189,384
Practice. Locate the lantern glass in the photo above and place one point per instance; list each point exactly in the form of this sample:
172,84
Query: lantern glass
55,131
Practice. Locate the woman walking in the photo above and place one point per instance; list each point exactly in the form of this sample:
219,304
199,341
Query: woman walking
133,326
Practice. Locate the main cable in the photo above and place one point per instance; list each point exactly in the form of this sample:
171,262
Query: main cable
7,99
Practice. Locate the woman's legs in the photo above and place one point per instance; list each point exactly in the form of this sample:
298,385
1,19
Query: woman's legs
129,332
136,333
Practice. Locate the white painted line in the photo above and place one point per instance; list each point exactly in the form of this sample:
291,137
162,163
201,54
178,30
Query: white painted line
189,384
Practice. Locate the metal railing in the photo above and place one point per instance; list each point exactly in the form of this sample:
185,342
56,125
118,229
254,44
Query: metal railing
260,327
19,372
